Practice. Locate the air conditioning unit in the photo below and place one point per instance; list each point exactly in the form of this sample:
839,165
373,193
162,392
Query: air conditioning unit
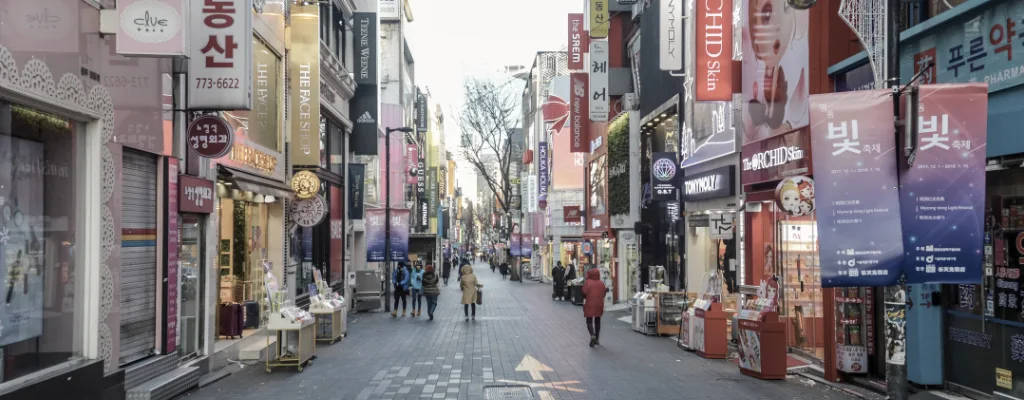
629,102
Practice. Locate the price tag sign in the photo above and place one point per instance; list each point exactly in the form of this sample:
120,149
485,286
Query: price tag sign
210,136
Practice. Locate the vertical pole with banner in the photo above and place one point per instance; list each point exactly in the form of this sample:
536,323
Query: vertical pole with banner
895,296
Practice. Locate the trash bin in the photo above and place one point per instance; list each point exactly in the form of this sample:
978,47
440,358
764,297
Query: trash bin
576,294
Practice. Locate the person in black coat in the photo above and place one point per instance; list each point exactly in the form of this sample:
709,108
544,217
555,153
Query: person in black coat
446,271
558,276
570,274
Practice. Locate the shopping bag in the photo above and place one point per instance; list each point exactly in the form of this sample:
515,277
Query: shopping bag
479,296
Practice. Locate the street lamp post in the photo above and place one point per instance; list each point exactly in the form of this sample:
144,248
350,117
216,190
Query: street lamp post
387,211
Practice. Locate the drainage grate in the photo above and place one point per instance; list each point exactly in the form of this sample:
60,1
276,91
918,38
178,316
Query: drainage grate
518,392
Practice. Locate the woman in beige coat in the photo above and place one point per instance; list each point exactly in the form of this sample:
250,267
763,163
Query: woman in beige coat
469,286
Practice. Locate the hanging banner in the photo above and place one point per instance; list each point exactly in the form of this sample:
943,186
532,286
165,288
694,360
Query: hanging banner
943,203
432,191
853,144
375,235
220,54
304,72
356,188
364,107
400,234
151,28
670,35
714,50
599,105
421,178
599,19
195,195
422,214
422,122
577,42
663,175
171,288
579,114
775,70
542,174
366,47
411,159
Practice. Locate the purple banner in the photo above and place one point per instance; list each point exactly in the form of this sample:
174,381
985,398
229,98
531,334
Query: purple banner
854,146
400,234
375,235
943,200
542,172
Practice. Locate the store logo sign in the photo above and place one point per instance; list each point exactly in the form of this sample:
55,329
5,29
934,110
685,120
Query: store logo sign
772,158
711,184
151,27
703,184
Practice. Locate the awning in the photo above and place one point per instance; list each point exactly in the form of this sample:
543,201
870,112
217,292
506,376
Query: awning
256,184
598,234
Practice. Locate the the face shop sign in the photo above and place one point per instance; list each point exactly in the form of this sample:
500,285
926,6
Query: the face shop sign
710,184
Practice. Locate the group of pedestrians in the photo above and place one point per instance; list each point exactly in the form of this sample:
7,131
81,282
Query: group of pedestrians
424,282
561,276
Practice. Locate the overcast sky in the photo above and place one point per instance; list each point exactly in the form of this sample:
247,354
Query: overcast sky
455,39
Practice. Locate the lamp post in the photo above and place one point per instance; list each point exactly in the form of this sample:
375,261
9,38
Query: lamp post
387,210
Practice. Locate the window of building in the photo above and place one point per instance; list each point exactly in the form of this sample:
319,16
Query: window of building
340,35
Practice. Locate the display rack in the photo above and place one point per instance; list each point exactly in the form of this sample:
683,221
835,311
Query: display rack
669,311
329,309
762,347
644,314
709,330
285,328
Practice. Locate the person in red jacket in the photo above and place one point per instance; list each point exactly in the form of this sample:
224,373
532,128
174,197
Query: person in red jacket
593,304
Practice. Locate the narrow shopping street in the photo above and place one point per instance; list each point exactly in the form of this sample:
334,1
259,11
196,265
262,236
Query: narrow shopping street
449,358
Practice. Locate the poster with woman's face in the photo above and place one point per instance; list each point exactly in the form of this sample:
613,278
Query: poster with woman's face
775,68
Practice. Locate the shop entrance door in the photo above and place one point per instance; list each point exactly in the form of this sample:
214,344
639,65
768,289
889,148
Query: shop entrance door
193,271
797,240
138,256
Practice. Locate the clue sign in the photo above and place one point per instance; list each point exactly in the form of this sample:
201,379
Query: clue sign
209,136
663,175
195,195
710,184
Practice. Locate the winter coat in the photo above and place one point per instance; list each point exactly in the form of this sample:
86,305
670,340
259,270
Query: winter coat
593,294
469,285
558,275
430,282
402,286
446,270
570,274
416,280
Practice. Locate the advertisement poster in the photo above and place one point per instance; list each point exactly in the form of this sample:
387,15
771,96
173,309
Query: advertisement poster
775,87
750,349
400,234
21,249
566,165
663,175
856,191
375,235
943,202
698,331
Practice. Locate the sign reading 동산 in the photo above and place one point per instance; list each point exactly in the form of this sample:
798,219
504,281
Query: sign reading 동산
599,22
151,27
670,37
578,113
853,144
304,72
943,193
714,50
577,42
599,104
220,55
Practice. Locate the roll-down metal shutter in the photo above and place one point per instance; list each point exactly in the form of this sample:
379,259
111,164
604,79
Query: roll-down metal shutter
138,256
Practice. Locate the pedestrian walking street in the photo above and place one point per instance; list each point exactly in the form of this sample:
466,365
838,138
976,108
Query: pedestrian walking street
521,344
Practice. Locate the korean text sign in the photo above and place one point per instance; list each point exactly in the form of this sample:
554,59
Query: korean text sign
220,55
853,141
599,104
375,235
943,194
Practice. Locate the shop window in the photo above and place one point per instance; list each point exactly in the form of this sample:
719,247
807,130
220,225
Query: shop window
311,251
37,239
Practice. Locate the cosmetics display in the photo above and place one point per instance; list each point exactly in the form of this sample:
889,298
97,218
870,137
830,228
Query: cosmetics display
762,344
851,353
329,308
669,308
709,329
294,328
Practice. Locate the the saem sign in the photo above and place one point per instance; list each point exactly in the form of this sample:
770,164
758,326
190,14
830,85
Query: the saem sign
151,28
577,42
714,50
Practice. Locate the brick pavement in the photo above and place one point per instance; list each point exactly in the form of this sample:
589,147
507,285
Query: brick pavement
448,358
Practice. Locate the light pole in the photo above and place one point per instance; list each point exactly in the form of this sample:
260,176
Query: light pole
387,210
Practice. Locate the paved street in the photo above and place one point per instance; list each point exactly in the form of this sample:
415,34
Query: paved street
520,337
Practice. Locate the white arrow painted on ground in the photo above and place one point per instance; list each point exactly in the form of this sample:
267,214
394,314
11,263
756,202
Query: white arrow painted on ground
534,367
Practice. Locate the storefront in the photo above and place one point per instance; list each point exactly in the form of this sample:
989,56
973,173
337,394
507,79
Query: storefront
713,265
195,203
780,237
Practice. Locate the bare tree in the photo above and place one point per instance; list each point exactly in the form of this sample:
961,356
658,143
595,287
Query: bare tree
489,119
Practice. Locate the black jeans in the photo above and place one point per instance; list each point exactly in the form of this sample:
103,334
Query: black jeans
465,309
400,295
594,326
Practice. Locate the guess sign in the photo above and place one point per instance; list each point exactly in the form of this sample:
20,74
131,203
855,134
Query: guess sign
210,136
220,55
195,195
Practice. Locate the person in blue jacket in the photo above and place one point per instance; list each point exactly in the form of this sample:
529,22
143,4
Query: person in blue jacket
400,280
416,284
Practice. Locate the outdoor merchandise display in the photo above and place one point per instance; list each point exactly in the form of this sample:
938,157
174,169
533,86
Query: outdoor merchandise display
762,345
293,327
329,308
644,313
709,329
669,307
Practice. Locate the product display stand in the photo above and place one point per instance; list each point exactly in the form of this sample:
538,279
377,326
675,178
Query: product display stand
762,348
669,309
686,330
330,323
710,320
286,328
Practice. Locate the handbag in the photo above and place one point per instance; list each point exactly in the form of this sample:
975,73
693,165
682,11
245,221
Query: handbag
479,296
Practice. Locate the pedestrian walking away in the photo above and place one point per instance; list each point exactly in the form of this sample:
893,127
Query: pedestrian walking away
593,304
469,286
400,281
446,270
504,270
416,290
431,290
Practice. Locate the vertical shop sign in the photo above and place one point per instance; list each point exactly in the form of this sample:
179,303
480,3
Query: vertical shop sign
542,174
400,234
390,9
171,323
423,213
432,191
195,195
411,157
304,69
578,110
220,55
421,178
366,47
356,188
663,175
577,42
943,194
599,104
151,28
856,191
670,36
599,19
714,50
422,122
375,235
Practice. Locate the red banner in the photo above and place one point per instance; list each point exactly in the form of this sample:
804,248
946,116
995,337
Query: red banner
579,117
714,50
577,42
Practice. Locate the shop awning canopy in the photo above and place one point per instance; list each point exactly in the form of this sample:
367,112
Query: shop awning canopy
256,184
599,234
